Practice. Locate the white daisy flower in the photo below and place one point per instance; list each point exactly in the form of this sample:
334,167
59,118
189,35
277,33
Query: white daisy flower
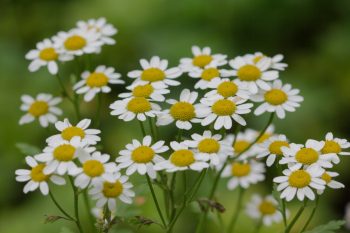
264,209
223,111
156,71
275,61
43,108
129,108
181,159
95,167
148,91
272,148
106,192
254,75
202,58
244,174
60,155
297,155
78,42
36,178
183,112
300,182
210,147
328,176
226,88
46,54
101,27
279,98
335,146
68,131
204,75
269,132
141,156
97,82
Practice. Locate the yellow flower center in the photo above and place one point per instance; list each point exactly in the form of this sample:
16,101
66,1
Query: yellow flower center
331,147
275,97
224,107
248,73
93,168
64,152
182,111
240,169
48,54
275,147
153,75
142,154
139,105
37,174
326,177
182,158
112,190
299,179
38,108
240,146
227,89
97,79
75,42
72,131
256,59
264,137
209,145
267,208
210,73
306,156
202,60
143,91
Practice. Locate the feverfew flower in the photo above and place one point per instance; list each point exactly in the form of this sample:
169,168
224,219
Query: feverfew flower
335,146
202,58
46,54
148,91
299,182
106,192
204,75
244,174
141,156
36,178
328,176
226,88
275,61
68,131
156,71
181,159
183,112
279,98
43,108
272,148
95,82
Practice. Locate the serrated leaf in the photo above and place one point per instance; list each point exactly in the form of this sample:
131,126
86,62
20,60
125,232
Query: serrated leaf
27,149
330,227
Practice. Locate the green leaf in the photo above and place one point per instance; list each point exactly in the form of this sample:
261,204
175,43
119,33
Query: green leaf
66,230
330,227
27,149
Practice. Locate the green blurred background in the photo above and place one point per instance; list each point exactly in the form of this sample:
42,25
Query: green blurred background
314,36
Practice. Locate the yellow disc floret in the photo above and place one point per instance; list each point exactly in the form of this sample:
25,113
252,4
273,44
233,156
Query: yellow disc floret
48,54
256,59
264,137
209,145
240,169
143,91
210,73
240,146
331,147
306,156
37,174
152,75
267,207
202,60
299,179
182,158
38,108
227,89
224,107
182,111
326,177
139,105
275,147
249,73
112,190
275,97
93,168
75,42
97,79
72,131
142,154
64,152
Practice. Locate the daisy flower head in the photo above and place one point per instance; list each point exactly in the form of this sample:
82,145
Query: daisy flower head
226,88
224,111
184,112
264,208
100,26
205,75
95,167
300,182
156,71
96,82
210,147
129,108
275,61
272,148
36,178
279,98
299,156
68,131
42,107
106,192
60,155
47,54
335,146
328,176
255,75
152,91
244,174
202,58
181,159
140,157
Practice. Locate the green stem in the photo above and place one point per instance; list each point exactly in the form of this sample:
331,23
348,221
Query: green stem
296,217
60,207
142,128
238,210
66,94
284,214
98,111
311,215
88,208
259,225
151,128
179,135
172,198
76,205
